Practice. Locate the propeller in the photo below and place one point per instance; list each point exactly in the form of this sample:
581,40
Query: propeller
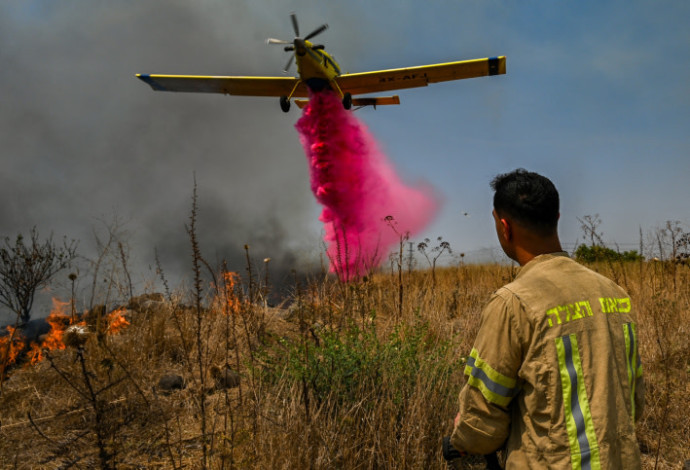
316,32
290,45
277,41
295,26
289,63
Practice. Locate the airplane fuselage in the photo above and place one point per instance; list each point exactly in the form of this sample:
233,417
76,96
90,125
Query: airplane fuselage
316,67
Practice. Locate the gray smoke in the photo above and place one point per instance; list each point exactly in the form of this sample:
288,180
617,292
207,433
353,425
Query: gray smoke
84,142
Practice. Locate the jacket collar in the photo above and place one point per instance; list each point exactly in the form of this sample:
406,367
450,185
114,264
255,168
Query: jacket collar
537,260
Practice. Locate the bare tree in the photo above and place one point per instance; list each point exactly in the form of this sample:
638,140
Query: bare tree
110,265
589,225
27,266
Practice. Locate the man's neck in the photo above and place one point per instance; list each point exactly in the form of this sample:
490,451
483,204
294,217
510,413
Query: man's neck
528,251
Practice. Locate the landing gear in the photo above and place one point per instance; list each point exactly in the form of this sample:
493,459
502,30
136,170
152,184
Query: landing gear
284,104
347,101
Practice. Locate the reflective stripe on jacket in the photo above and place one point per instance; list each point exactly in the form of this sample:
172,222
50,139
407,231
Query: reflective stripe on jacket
554,372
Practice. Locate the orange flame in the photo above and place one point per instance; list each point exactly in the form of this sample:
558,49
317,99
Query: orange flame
12,344
116,321
233,303
58,321
10,347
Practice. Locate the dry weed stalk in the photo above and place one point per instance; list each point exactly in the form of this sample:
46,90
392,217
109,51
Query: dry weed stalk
403,237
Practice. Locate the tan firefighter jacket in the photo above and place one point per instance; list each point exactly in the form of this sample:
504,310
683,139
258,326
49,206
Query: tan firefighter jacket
554,372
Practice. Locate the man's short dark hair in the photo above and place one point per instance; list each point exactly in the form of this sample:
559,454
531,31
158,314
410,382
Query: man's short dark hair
529,198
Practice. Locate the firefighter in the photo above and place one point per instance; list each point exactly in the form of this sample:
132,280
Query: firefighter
554,376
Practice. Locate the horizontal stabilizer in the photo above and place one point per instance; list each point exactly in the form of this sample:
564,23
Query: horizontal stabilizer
376,101
366,101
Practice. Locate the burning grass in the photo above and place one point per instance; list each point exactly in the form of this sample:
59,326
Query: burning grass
345,377
15,350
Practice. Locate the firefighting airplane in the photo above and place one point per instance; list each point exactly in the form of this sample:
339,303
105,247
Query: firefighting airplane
317,71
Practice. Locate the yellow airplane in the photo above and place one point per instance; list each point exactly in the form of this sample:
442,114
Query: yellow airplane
317,70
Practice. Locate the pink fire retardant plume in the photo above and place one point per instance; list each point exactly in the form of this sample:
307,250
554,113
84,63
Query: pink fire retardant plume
358,188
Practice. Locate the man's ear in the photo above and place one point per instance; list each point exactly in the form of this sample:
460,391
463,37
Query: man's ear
507,229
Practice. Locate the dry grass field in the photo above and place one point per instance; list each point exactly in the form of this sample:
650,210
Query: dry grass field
340,376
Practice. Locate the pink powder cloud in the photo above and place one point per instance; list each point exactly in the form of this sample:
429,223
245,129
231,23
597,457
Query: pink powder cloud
358,188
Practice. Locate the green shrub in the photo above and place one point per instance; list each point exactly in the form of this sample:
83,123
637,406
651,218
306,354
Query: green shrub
344,367
590,254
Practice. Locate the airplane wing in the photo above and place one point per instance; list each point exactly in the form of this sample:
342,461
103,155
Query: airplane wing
250,86
411,77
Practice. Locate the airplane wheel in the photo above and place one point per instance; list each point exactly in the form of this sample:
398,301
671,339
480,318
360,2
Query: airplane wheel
284,104
347,101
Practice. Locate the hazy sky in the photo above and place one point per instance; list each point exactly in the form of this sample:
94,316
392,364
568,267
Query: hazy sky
596,97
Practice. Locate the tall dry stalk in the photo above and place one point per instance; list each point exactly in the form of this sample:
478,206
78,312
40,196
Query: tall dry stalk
199,316
403,238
